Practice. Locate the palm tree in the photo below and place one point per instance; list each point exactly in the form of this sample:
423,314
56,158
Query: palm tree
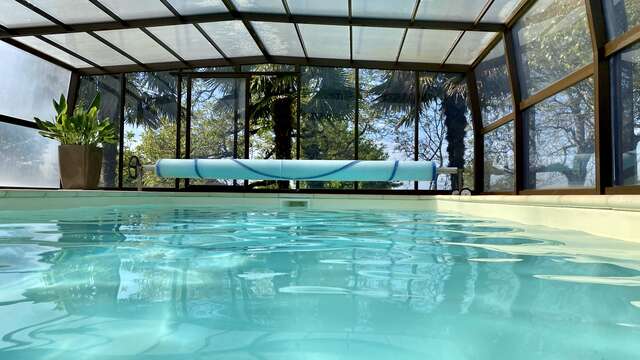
397,94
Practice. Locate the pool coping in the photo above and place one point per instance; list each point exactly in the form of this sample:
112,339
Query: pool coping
615,216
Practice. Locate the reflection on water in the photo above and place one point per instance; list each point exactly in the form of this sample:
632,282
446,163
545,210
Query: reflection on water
196,283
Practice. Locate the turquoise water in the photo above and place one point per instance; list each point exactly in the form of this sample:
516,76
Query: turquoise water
198,283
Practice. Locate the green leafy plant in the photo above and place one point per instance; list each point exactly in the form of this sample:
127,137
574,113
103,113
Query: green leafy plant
82,127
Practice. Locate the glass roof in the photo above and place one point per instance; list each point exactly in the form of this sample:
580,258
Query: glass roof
326,41
191,7
137,44
14,15
380,44
89,47
427,45
137,9
53,51
186,41
72,11
401,9
470,46
232,37
450,10
267,6
273,31
319,7
279,38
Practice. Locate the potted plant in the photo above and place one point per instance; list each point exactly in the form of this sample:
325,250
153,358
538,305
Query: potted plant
81,137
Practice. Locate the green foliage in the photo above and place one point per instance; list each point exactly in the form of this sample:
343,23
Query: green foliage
80,128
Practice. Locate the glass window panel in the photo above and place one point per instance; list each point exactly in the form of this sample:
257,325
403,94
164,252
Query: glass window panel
326,41
560,140
14,15
315,7
53,51
137,44
501,10
450,10
401,9
267,6
387,120
279,38
494,89
371,43
217,122
625,100
150,122
73,11
138,9
190,7
552,40
30,83
445,128
499,158
108,86
232,37
31,158
186,41
470,46
91,48
621,15
327,118
427,45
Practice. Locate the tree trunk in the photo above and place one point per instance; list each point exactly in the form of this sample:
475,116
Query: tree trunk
283,131
455,108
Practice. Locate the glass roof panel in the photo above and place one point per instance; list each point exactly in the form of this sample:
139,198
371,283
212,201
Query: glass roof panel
427,45
500,11
137,9
72,11
401,9
326,41
14,15
232,37
137,44
191,7
52,51
316,7
187,41
279,38
470,47
266,6
371,43
91,48
449,10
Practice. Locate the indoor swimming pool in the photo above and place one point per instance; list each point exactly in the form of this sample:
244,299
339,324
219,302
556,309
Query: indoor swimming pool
165,282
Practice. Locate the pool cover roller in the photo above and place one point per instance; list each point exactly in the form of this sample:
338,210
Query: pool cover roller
308,170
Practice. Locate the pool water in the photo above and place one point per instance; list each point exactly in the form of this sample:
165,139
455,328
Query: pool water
202,283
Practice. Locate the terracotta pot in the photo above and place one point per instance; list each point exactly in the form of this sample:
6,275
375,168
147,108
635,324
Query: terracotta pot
80,166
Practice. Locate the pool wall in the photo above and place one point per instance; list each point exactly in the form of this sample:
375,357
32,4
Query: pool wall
615,216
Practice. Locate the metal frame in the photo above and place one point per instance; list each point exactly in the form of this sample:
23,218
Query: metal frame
603,50
246,18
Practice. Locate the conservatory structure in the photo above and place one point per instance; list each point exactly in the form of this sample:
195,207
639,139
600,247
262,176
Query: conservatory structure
528,97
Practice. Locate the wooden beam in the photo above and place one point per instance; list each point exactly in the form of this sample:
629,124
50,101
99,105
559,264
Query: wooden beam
498,123
251,60
602,97
629,38
560,85
252,16
514,82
